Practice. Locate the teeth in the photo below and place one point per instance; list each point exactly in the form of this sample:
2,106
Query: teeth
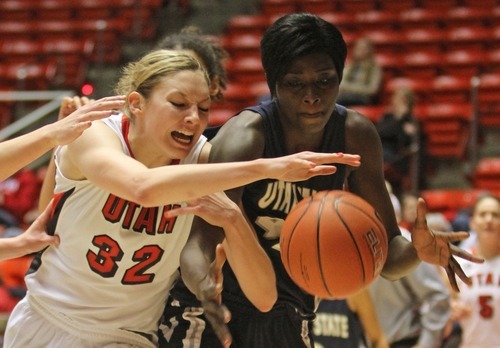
189,134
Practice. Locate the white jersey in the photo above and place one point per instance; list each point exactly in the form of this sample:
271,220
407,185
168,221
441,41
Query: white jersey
481,329
117,260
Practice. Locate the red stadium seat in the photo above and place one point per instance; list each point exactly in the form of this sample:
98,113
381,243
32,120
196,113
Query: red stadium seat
418,17
391,63
468,37
241,46
245,70
72,57
486,175
385,40
447,129
465,15
28,76
346,22
449,88
423,39
466,63
420,88
441,4
425,64
317,6
376,19
398,5
248,24
278,7
356,6
489,99
19,51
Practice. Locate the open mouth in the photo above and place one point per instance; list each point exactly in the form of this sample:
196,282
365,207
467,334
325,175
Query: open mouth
183,137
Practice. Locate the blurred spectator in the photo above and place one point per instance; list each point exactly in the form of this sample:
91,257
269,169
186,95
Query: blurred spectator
402,140
18,195
348,323
362,76
476,308
408,210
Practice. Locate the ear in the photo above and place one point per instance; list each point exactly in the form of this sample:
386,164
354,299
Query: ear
214,86
136,103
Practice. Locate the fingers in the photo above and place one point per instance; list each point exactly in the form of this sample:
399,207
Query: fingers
218,316
421,221
220,257
44,217
185,210
322,170
451,278
465,255
455,267
326,158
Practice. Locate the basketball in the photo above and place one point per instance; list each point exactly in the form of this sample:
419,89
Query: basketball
333,244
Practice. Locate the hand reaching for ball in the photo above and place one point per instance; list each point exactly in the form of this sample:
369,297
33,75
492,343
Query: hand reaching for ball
436,247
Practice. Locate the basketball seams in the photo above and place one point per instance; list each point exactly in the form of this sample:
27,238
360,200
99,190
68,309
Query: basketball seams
338,201
318,240
304,212
376,222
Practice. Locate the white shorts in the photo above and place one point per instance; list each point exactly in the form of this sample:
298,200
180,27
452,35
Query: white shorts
27,327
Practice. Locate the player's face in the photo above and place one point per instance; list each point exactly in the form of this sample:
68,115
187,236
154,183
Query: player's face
176,113
486,222
307,93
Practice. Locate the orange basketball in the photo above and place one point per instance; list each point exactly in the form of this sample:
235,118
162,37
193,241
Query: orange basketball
333,244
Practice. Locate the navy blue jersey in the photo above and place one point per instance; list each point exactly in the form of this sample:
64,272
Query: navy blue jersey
336,325
267,202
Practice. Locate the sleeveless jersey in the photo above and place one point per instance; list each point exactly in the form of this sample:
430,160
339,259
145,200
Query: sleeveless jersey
481,329
336,325
267,203
117,260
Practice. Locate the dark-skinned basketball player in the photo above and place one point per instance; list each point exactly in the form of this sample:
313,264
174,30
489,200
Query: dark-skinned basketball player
303,57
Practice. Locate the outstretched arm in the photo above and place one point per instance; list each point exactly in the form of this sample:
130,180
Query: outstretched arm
19,152
368,182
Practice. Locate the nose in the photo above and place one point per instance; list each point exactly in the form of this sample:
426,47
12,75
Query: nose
311,95
193,115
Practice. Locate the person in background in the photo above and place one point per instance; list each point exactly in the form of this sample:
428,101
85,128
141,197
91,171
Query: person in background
348,323
476,308
402,139
303,57
206,50
362,77
414,310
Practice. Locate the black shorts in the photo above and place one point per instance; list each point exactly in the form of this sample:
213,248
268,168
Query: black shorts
282,327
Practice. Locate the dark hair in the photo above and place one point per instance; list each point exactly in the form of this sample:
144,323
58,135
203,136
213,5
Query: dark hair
206,48
295,35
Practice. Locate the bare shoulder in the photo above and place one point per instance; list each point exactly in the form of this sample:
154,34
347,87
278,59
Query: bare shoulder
360,132
240,138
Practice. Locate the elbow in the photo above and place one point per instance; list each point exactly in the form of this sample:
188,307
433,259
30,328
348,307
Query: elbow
142,194
267,303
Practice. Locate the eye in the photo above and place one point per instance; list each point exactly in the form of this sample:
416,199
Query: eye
204,110
178,105
326,82
293,83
